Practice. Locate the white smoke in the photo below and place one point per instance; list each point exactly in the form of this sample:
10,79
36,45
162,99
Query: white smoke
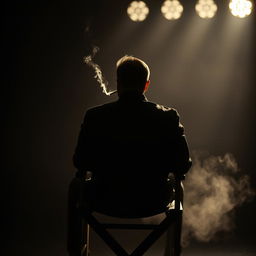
214,188
98,73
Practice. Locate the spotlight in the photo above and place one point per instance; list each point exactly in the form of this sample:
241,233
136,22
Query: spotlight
137,11
172,9
240,8
206,9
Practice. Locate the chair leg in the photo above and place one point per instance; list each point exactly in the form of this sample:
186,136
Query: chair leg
177,236
88,240
173,237
86,247
169,243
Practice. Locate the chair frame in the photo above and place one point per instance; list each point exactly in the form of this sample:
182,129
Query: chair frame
173,217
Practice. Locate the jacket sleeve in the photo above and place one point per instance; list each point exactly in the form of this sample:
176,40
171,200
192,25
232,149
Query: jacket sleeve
81,157
181,157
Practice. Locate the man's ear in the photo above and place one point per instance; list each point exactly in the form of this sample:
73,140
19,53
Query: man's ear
146,85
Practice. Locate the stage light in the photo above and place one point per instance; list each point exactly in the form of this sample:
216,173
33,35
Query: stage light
137,11
240,8
206,9
172,9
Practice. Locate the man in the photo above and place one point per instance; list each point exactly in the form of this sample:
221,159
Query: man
130,146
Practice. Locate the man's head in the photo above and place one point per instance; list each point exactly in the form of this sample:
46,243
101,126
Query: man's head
132,75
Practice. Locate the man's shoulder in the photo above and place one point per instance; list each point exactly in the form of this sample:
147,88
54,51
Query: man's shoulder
163,109
150,106
101,108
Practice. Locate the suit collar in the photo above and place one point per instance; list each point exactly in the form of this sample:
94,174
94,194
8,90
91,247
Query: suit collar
132,97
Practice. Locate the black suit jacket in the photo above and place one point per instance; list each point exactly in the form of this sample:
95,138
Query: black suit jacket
130,146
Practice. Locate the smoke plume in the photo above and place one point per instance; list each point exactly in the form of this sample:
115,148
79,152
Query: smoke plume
214,188
98,73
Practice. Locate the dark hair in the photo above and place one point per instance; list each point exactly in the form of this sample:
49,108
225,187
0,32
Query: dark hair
132,73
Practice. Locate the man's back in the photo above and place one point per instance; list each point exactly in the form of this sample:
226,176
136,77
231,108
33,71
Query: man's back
130,146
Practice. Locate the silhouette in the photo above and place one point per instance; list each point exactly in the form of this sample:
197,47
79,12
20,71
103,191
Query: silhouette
130,146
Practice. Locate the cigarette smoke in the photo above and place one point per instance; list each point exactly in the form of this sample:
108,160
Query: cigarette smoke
214,188
98,73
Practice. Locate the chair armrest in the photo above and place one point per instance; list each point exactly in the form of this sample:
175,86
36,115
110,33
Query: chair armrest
178,191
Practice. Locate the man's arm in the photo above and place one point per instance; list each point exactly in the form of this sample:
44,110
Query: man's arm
81,157
181,157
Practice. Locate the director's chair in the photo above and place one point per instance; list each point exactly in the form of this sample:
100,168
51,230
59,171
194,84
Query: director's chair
173,216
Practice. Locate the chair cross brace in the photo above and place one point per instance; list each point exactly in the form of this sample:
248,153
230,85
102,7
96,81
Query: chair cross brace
158,230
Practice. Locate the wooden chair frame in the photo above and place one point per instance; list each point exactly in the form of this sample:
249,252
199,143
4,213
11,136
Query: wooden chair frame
173,216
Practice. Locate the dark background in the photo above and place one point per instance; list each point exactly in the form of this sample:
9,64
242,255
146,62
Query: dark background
47,88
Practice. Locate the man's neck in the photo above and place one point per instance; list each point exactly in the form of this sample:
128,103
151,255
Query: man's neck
132,96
